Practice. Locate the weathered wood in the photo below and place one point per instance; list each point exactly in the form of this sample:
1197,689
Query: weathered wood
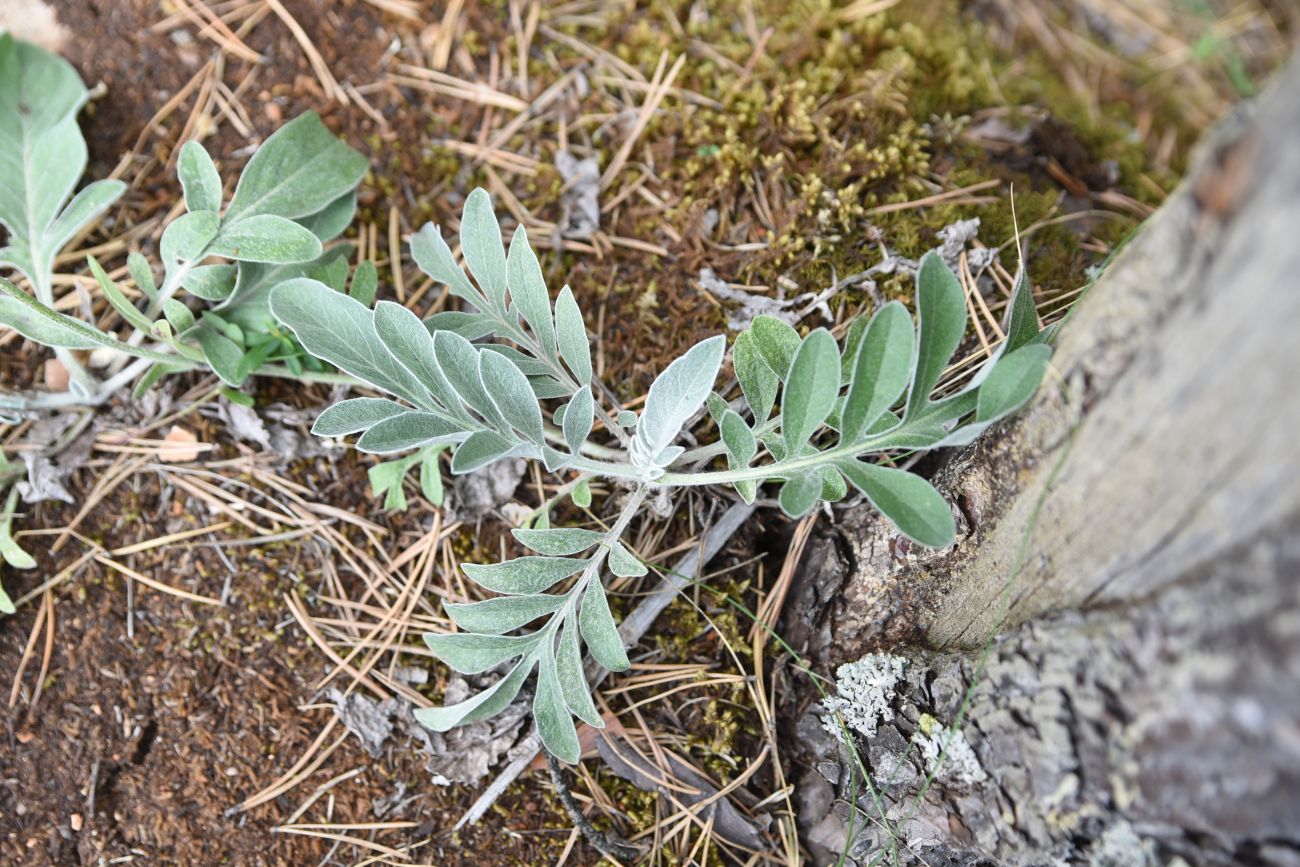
1141,704
1177,377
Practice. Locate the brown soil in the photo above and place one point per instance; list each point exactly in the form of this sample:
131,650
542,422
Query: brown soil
144,736
156,716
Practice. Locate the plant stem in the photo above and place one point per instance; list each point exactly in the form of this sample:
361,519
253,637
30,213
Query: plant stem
42,288
599,840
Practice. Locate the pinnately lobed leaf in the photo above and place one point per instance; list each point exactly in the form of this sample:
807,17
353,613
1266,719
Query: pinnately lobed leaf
481,401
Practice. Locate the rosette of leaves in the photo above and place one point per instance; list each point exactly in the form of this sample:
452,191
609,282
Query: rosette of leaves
296,193
810,415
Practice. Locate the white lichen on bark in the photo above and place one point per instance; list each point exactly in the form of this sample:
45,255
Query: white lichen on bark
865,690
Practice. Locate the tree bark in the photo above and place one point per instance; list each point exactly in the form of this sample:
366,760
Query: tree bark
1135,530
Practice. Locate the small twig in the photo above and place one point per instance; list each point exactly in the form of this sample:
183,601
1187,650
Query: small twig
602,842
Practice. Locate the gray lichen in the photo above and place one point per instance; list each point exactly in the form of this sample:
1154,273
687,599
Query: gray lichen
947,754
865,690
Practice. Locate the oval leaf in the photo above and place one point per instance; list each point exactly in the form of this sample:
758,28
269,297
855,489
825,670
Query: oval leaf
266,238
1012,381
880,372
907,500
810,390
200,182
355,415
480,242
941,311
410,430
571,335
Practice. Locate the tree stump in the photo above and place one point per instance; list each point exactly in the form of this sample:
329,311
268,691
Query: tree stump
1131,538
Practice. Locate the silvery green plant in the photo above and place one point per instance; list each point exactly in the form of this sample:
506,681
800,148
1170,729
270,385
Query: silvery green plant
810,417
296,193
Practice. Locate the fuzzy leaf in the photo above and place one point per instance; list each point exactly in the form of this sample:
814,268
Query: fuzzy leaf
581,494
675,396
489,702
623,564
571,334
1012,381
757,381
329,222
222,354
458,360
513,396
528,289
880,372
811,390
480,449
355,415
579,417
299,170
88,204
433,257
599,629
558,542
46,326
800,493
502,614
200,181
941,310
554,723
211,282
907,500
266,238
186,238
1022,314
480,242
470,326
340,330
573,680
365,283
118,300
523,575
469,653
42,155
141,272
410,430
410,344
776,342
